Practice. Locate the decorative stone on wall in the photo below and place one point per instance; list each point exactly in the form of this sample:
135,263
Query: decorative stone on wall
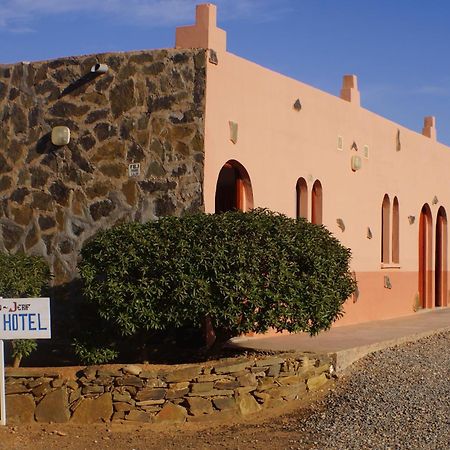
229,388
147,109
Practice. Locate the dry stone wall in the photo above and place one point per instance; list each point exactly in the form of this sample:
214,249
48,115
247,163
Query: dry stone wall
147,109
229,388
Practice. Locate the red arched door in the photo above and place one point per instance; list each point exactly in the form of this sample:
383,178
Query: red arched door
302,198
395,232
234,188
425,260
440,297
316,203
385,229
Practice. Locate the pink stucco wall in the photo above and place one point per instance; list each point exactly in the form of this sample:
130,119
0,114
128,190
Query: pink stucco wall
278,144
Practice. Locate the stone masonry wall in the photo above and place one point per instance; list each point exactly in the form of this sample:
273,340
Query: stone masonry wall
227,389
148,109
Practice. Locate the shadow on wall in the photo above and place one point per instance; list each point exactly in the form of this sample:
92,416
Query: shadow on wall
69,316
72,318
79,83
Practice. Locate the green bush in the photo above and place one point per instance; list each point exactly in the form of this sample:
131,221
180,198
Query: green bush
93,354
21,348
22,276
244,271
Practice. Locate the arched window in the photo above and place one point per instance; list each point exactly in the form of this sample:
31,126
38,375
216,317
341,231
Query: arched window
234,188
395,232
316,203
385,229
302,198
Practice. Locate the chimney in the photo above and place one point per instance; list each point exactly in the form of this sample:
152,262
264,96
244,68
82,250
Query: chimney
204,34
349,90
429,127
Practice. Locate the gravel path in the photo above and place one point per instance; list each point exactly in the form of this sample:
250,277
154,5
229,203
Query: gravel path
398,398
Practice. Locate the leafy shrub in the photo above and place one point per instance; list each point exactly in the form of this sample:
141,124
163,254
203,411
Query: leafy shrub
22,348
244,271
22,276
93,354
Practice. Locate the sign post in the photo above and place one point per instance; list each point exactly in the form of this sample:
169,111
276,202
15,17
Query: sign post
21,318
2,385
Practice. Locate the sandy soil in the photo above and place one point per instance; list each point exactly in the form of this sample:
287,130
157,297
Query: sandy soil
257,432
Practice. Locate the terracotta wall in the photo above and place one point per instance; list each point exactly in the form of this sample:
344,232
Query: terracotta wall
278,143
147,109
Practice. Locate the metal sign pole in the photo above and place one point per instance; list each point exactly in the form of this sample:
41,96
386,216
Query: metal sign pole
2,385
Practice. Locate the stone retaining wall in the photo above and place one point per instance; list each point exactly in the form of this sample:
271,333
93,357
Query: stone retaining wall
228,388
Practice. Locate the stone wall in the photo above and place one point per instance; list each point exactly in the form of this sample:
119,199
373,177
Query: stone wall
226,389
147,109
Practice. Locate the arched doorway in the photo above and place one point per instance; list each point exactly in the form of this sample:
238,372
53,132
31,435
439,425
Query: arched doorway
385,229
395,232
316,203
302,198
425,260
440,276
234,188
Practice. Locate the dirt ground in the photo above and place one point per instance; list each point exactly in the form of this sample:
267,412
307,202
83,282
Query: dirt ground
263,431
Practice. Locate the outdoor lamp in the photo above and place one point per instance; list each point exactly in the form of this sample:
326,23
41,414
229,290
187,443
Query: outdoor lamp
60,136
356,163
99,68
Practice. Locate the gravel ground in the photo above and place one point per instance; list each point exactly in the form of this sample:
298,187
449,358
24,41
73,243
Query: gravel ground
398,398
394,399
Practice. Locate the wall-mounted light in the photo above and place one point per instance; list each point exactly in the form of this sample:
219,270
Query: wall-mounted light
60,136
99,68
356,163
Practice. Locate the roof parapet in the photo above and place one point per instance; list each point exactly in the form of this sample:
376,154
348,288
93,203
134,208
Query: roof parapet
205,33
429,127
349,90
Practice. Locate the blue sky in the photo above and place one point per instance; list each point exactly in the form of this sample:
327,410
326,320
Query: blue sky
398,48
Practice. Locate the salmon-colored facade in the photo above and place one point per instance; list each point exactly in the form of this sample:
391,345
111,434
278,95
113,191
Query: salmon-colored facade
381,189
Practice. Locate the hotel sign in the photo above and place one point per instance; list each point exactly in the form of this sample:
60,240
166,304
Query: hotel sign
21,318
25,318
